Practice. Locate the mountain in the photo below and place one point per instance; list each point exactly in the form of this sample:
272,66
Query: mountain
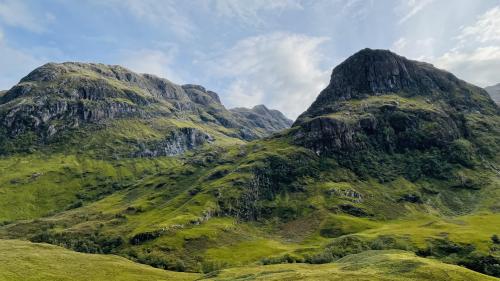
57,101
494,92
379,104
262,117
376,72
392,171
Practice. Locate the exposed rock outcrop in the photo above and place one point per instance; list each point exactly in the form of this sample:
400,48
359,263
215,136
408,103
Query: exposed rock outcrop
177,142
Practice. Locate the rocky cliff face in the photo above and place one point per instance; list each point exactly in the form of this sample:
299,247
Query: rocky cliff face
56,98
494,92
176,142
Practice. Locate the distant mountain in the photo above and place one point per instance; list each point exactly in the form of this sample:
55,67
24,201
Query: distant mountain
262,117
55,100
494,92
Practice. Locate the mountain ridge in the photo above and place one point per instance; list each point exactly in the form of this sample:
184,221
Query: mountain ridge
68,96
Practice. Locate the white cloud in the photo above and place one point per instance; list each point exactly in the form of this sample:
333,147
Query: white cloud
480,66
281,70
151,61
164,13
485,29
248,11
476,58
408,9
18,14
418,49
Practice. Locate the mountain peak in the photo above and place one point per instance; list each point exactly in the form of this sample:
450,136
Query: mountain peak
373,72
370,71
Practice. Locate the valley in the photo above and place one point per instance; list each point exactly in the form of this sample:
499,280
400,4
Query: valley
391,174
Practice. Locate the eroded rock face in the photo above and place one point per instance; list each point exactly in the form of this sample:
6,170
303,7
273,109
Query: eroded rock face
387,130
177,142
47,116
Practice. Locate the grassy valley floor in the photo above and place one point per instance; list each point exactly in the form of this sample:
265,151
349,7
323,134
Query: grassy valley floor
27,261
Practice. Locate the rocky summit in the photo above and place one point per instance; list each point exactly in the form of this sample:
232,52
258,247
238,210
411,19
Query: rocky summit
391,174
371,73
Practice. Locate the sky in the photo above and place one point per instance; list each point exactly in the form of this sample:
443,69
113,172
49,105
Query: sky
278,52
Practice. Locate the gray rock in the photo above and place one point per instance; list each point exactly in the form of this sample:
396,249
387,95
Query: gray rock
177,142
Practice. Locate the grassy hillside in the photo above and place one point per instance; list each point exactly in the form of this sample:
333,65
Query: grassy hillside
41,262
368,266
200,213
24,261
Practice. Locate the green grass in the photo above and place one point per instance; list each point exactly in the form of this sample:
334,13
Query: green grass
25,261
191,208
476,229
38,185
172,197
367,266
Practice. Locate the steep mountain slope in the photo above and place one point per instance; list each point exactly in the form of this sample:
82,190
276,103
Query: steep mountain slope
494,92
394,154
64,127
377,72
